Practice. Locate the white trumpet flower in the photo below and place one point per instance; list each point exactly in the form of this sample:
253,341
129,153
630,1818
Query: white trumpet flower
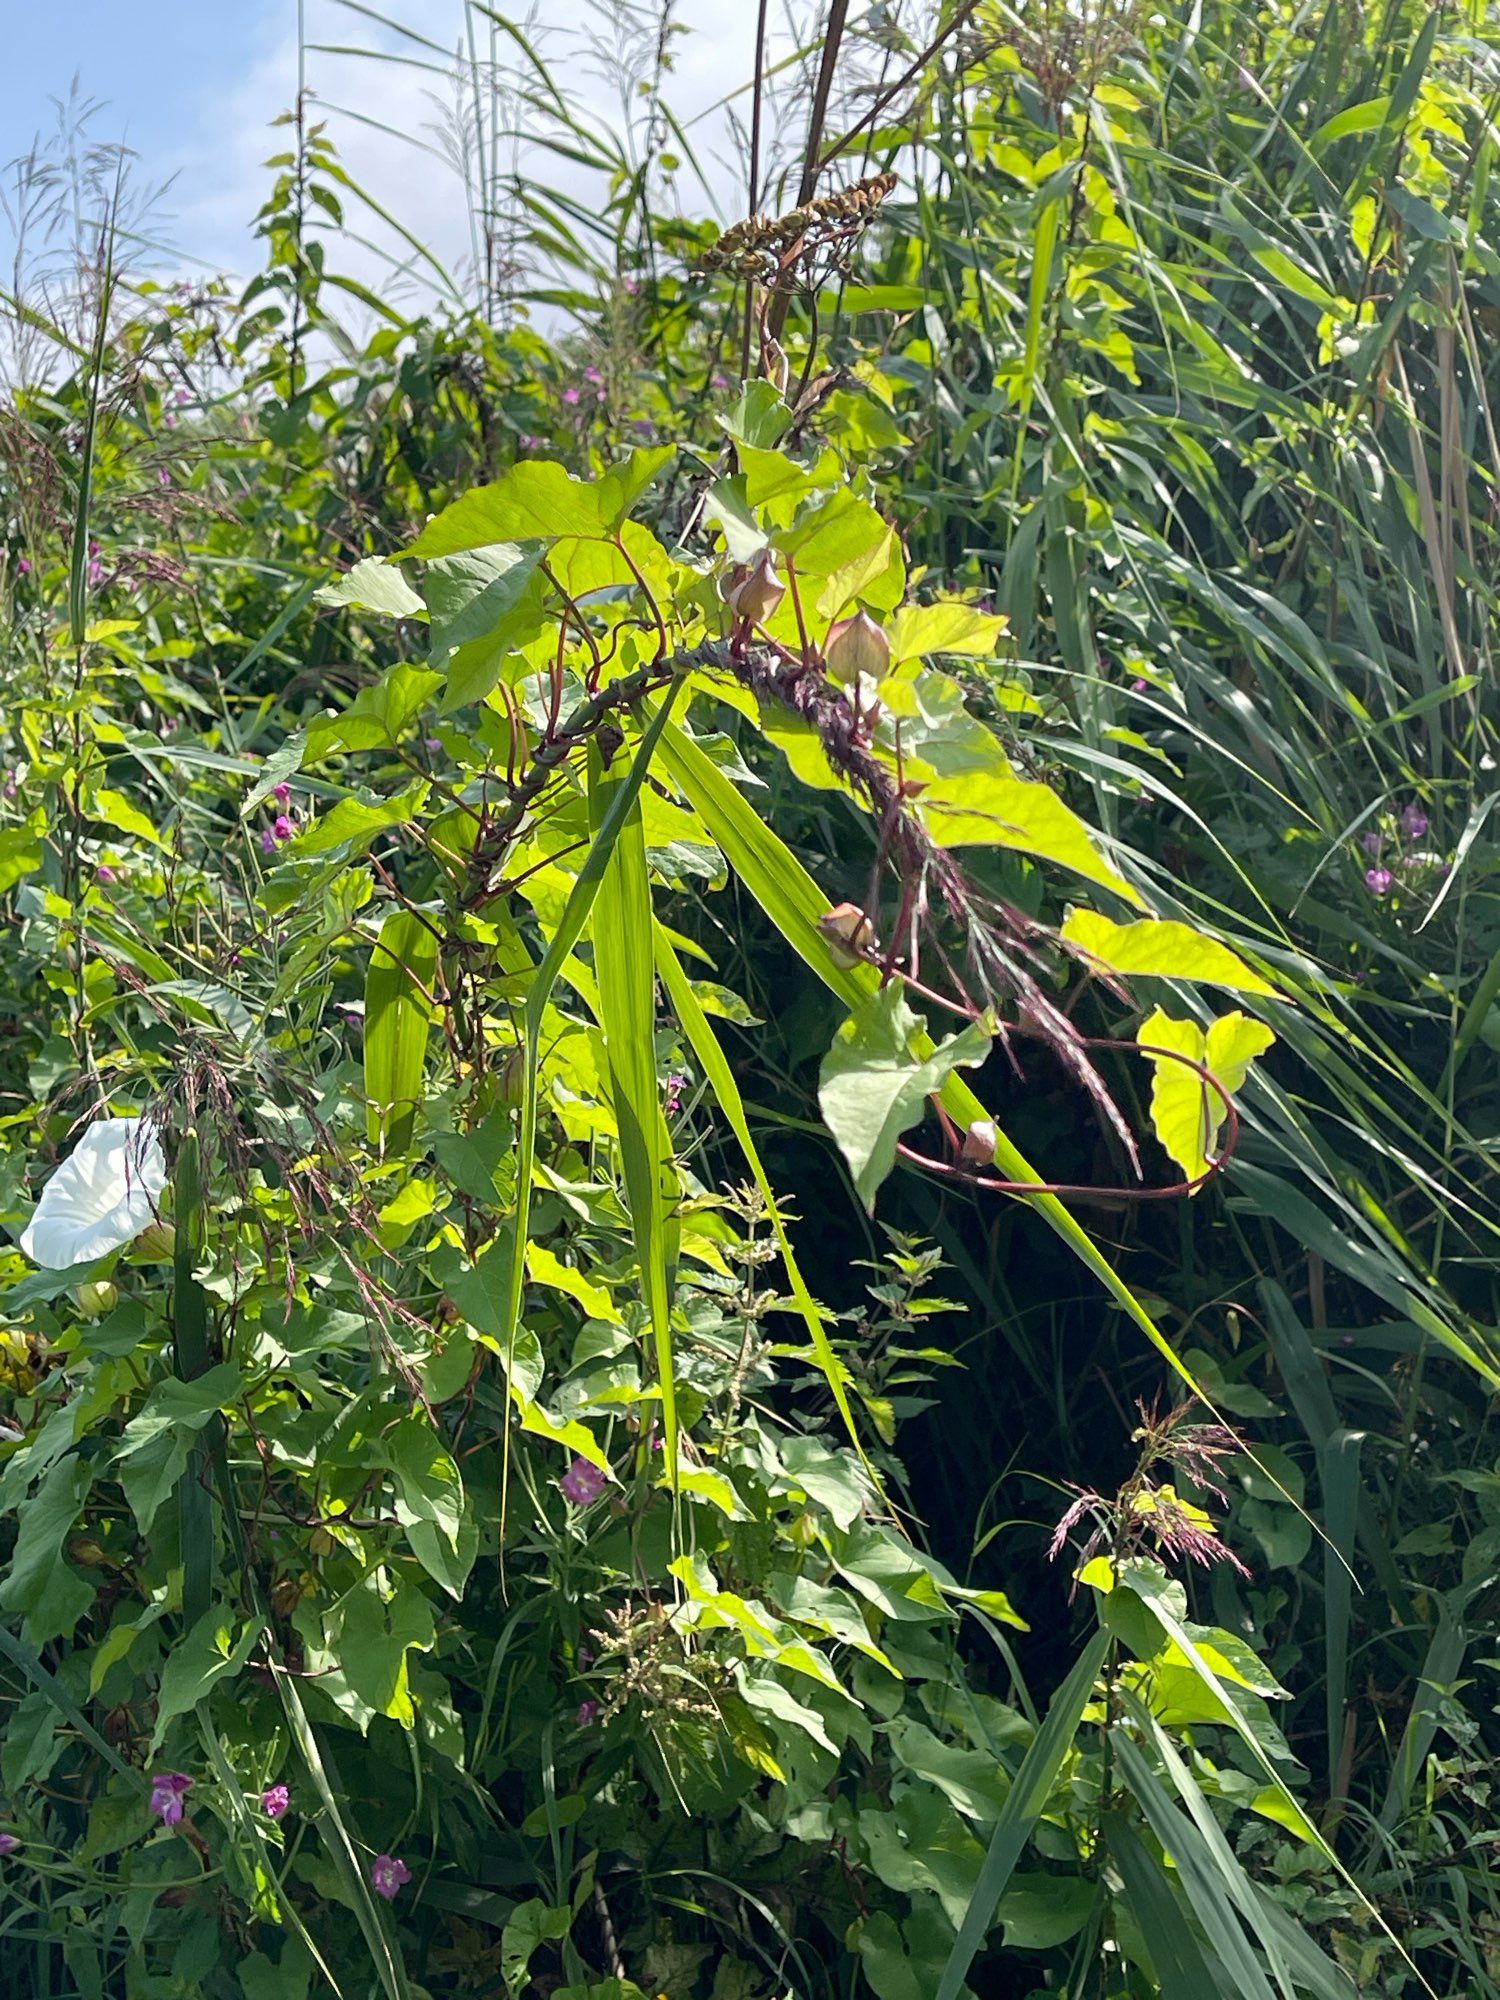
102,1196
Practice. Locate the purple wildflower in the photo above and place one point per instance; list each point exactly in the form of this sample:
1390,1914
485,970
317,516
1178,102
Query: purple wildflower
632,287
168,1789
281,793
8,1843
96,572
588,1712
676,1084
387,1873
1140,685
592,375
104,873
1371,843
267,841
718,381
582,1483
23,567
571,394
1414,822
432,742
529,441
274,1801
181,397
8,788
163,477
284,827
1378,881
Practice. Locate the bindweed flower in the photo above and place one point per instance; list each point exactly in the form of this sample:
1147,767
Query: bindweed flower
588,1712
571,395
856,646
102,1196
754,590
592,375
676,1084
284,826
104,873
582,1483
433,743
96,571
267,841
168,1789
1414,822
281,793
981,1142
274,1801
1140,685
387,1873
23,567
1378,881
9,1842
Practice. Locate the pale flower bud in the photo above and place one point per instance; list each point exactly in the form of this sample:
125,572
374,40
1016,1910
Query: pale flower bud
980,1143
849,932
755,590
856,646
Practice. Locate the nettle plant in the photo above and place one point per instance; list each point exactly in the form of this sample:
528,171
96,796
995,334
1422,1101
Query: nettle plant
448,1556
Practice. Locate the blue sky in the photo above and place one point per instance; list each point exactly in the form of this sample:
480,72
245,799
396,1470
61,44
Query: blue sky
192,86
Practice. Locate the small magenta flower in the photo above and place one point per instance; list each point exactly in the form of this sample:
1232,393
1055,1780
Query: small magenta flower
9,788
96,571
1414,822
529,441
582,1483
168,1789
104,873
718,381
1140,685
433,743
1378,881
588,1712
571,394
23,567
387,1873
281,793
274,1801
284,827
592,375
676,1084
181,397
267,841
9,1843
163,477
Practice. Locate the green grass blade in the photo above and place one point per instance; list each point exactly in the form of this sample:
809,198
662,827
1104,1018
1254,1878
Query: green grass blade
620,927
1023,1807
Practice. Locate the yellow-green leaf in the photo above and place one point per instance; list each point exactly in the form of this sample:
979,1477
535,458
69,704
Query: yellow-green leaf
1186,1113
989,808
1160,949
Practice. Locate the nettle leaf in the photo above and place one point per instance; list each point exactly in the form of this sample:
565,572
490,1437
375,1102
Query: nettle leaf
429,1504
872,1088
48,1591
210,1653
538,501
483,603
1160,950
757,417
990,808
919,630
846,537
1186,1114
377,718
373,585
354,822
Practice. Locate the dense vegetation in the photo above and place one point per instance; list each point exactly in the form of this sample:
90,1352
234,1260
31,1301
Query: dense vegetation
747,1040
